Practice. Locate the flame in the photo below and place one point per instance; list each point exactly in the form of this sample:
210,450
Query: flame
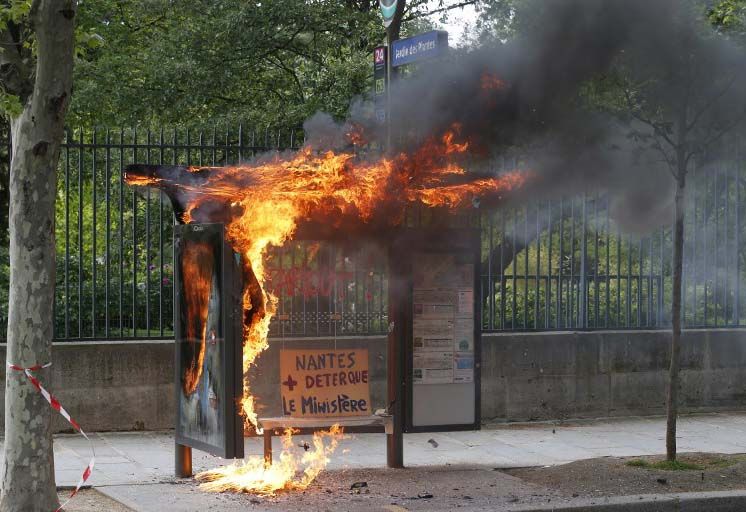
356,135
265,203
255,476
197,263
141,181
491,82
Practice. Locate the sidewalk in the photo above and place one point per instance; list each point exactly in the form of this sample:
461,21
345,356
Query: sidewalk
128,463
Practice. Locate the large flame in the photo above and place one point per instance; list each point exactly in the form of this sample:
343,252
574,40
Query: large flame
265,203
254,476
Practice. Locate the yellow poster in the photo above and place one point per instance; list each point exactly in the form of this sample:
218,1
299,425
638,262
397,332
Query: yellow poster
322,383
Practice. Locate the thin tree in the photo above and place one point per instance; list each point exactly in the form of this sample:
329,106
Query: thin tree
685,88
36,64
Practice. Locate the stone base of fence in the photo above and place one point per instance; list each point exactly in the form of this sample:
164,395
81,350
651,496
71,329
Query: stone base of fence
128,385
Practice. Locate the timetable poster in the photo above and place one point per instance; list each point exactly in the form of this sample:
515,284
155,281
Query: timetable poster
443,321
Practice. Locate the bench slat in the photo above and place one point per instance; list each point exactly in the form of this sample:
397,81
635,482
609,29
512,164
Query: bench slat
347,421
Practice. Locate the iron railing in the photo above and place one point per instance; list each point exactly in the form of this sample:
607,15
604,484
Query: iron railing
556,264
564,264
328,290
114,243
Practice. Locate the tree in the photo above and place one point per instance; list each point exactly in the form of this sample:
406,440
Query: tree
678,86
36,73
682,89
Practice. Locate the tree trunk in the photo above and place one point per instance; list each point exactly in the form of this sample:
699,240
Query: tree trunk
673,382
28,483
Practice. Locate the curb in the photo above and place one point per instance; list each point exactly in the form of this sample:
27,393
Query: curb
110,492
718,501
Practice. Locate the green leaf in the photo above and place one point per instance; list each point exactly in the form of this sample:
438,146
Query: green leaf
10,105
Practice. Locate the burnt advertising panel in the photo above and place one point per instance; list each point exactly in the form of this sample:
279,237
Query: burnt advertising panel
208,341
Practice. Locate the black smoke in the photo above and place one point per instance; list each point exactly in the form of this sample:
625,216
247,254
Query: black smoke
547,115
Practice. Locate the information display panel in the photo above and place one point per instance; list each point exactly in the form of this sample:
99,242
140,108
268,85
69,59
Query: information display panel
207,327
440,340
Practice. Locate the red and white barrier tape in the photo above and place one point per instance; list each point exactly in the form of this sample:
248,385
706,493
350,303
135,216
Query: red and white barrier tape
57,407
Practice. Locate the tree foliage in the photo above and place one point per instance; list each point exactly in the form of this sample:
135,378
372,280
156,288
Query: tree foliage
187,62
199,62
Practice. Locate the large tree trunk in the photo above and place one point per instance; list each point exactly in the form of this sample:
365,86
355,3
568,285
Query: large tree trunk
28,483
673,382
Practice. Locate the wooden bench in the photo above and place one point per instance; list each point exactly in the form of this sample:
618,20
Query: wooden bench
354,424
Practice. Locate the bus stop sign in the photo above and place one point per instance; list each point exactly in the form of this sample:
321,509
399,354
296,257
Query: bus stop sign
418,48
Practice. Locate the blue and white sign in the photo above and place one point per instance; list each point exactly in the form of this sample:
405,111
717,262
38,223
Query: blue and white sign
421,47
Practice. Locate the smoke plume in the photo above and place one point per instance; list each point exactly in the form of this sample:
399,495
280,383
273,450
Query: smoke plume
529,99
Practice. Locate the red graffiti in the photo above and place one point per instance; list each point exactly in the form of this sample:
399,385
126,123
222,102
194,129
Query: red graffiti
309,283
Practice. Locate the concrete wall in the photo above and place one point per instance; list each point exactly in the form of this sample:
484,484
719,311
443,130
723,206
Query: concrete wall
110,385
613,373
525,376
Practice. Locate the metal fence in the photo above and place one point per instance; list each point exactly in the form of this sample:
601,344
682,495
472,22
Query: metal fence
114,243
328,290
563,264
551,265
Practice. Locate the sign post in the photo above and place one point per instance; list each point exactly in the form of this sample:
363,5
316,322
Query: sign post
380,83
386,59
395,409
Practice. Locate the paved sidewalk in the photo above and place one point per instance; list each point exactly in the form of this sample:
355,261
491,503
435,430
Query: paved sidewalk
142,457
124,459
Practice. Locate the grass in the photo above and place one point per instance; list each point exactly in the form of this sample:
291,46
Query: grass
694,463
665,465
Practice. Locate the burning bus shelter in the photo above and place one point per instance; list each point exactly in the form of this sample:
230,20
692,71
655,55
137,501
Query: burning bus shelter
433,343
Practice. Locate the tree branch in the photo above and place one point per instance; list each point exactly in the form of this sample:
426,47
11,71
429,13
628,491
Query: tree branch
416,15
634,112
710,103
281,65
725,129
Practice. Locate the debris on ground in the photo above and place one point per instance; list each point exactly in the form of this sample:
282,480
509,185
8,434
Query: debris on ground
359,487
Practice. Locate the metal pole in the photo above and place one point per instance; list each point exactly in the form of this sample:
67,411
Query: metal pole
183,461
583,293
396,388
397,292
388,89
